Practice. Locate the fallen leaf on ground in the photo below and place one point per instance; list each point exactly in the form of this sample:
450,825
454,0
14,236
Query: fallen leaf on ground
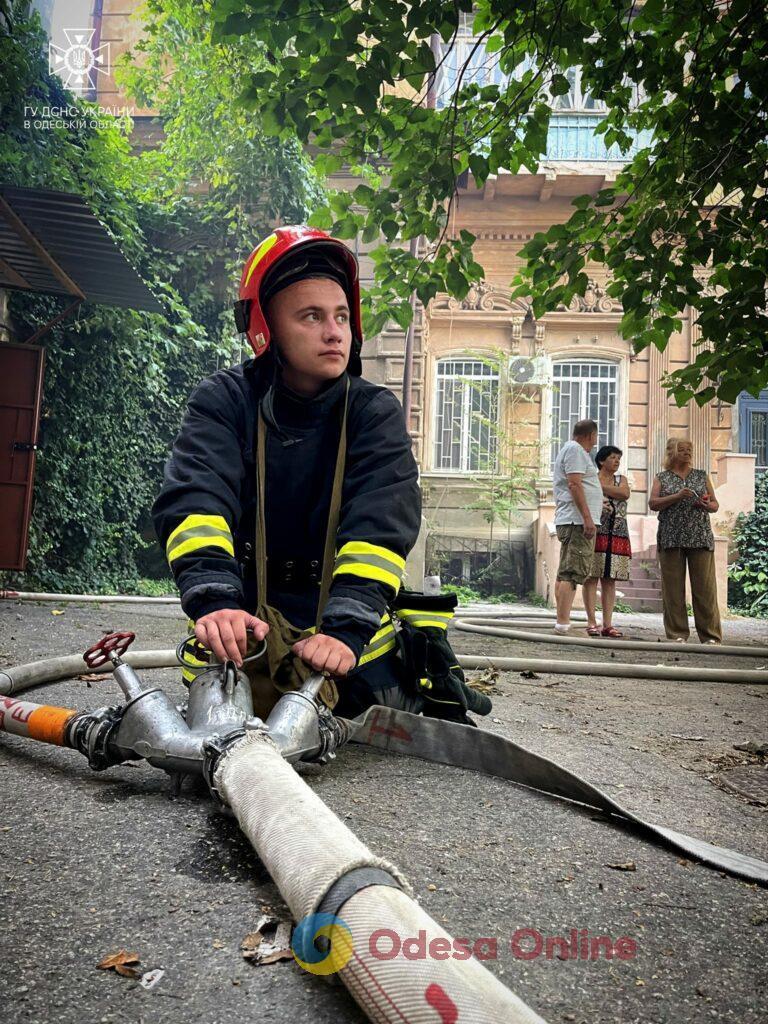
269,942
91,677
527,674
121,963
57,611
627,866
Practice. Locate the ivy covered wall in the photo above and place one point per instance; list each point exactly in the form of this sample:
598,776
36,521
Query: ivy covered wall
117,381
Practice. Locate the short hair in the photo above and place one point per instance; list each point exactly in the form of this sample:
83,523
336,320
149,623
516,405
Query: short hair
672,450
584,428
605,451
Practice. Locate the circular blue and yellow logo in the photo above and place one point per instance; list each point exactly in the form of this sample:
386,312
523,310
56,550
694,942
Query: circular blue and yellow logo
322,943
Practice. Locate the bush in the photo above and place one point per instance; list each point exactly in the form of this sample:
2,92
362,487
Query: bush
748,575
466,595
117,380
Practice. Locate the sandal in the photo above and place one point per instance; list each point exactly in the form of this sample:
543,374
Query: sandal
612,632
593,631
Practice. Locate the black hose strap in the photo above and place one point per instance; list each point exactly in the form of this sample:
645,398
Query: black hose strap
344,888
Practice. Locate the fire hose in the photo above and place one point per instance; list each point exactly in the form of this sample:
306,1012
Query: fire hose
247,764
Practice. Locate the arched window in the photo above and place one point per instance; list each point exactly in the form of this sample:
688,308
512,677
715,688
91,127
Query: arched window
581,390
466,416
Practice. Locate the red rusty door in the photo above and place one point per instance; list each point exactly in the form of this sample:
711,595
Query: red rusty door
21,385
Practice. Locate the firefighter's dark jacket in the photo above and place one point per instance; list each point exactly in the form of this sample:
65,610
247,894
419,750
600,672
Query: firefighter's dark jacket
205,514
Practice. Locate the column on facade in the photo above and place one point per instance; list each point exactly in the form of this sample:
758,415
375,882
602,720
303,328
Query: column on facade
699,415
658,410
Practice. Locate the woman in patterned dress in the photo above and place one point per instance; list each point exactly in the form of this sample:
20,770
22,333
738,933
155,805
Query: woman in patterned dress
613,552
685,498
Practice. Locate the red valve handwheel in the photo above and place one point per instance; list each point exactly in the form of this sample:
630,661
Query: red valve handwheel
112,643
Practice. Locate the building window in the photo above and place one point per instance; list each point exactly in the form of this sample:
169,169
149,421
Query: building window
581,391
466,416
753,428
578,98
758,428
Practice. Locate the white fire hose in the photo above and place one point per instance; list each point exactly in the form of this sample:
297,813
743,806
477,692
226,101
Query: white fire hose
321,868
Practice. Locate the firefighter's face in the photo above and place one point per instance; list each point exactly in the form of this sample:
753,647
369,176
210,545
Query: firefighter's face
310,324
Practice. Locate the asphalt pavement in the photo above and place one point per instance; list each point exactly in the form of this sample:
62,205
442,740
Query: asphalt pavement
97,862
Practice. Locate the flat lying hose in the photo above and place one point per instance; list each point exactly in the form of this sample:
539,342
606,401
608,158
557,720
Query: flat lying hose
616,669
24,595
501,627
463,746
53,670
309,849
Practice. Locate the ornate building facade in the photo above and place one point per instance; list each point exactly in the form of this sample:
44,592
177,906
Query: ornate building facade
495,393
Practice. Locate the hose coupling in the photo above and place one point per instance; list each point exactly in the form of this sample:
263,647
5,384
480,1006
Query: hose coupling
214,748
333,734
93,734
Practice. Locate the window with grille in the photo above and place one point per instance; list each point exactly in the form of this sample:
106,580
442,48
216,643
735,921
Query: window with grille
583,391
466,416
759,430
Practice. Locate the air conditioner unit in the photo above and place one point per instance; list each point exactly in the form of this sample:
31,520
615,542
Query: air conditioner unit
536,371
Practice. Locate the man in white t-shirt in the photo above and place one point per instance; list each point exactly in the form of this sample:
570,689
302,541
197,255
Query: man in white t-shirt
578,508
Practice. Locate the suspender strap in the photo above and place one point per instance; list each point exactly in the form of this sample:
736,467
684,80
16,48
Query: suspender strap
329,552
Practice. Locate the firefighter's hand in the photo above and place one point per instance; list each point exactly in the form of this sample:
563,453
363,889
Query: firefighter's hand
325,654
225,633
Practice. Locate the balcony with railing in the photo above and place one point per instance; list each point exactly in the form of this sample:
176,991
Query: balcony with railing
575,116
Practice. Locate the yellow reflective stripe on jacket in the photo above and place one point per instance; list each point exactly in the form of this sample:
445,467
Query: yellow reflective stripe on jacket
416,617
199,531
371,562
382,641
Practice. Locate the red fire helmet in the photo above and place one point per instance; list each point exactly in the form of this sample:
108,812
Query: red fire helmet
249,315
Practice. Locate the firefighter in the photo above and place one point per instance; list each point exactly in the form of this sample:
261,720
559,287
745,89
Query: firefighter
303,400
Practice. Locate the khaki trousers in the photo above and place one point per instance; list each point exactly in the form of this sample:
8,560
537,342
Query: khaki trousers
701,569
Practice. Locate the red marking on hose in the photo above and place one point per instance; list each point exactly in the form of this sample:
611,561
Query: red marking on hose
396,731
377,985
20,711
439,1000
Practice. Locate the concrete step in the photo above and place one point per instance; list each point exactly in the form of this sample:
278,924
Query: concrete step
641,597
643,604
640,588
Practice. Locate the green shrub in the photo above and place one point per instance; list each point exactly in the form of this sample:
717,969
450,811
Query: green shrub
117,380
466,595
748,575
